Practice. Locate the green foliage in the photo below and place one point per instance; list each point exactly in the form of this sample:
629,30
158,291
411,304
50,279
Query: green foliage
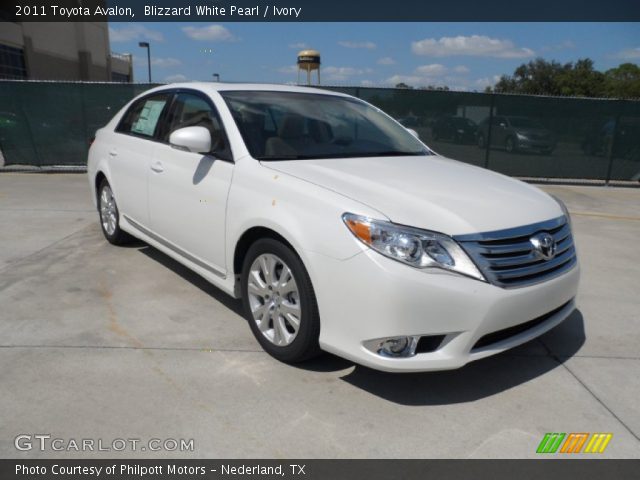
623,81
578,79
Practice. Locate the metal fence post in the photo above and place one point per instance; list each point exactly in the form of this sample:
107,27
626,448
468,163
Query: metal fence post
614,136
83,89
488,145
27,122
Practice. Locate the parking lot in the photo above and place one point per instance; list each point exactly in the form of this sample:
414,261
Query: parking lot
103,342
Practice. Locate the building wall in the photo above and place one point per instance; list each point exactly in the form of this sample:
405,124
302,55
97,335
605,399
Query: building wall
64,51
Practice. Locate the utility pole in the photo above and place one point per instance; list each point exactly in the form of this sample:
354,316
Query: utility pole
148,47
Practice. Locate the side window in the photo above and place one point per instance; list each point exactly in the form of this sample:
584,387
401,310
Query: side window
143,116
190,110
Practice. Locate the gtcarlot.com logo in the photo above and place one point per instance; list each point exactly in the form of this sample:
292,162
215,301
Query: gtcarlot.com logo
574,443
45,442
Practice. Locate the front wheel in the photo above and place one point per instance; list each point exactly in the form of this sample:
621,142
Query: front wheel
510,145
279,302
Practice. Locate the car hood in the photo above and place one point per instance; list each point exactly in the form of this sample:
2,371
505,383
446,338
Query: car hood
429,192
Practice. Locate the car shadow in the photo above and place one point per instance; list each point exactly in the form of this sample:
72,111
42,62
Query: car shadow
479,379
203,168
191,277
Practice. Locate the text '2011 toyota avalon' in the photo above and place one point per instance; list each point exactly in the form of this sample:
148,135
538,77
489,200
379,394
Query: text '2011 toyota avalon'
336,226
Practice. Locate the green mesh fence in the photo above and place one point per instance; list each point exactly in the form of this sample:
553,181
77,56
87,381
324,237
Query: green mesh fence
51,123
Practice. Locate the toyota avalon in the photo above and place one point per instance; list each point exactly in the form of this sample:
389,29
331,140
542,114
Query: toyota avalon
336,226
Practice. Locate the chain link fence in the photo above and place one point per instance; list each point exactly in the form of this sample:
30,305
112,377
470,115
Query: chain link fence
50,124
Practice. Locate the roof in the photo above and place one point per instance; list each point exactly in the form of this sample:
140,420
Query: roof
267,87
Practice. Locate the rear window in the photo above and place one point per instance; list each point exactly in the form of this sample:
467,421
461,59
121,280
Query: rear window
143,116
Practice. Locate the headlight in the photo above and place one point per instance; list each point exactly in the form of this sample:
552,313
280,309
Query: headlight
564,208
412,246
521,136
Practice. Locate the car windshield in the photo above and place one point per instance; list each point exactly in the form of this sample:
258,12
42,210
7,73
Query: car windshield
524,122
292,126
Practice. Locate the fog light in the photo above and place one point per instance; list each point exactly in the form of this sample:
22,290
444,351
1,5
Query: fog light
395,347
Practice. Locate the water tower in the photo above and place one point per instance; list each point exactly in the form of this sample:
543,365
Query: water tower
309,60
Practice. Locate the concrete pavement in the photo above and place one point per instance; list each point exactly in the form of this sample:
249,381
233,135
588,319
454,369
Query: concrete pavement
103,342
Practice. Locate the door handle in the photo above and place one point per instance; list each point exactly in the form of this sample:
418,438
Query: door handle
157,167
113,153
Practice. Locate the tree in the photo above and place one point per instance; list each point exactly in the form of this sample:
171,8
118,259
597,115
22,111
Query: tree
623,81
579,79
536,77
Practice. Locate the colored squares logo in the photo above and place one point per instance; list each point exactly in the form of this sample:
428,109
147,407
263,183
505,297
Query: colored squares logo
598,443
574,443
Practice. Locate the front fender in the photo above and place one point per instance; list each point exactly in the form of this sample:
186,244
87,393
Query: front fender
308,216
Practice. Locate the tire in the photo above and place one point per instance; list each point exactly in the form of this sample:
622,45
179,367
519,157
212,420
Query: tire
272,312
109,215
510,145
481,142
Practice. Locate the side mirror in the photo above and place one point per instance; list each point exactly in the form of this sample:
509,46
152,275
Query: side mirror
413,132
503,125
191,139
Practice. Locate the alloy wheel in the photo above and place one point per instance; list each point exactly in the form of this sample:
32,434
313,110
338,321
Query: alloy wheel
274,299
108,210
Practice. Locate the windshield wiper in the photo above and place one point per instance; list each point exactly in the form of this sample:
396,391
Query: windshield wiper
393,153
281,157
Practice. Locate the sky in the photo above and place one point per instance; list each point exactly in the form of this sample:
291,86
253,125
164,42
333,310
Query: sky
462,56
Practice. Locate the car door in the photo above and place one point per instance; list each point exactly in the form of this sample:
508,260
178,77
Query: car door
188,191
131,153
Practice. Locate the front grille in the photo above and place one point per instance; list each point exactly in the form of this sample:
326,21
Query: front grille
506,333
507,257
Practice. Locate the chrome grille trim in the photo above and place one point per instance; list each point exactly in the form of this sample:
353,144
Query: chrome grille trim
507,259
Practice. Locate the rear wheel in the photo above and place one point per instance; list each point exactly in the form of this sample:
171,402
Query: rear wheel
279,302
481,142
110,216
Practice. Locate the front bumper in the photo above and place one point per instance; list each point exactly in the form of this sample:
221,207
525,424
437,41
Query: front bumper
370,296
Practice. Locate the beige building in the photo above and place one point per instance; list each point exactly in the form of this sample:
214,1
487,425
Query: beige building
61,51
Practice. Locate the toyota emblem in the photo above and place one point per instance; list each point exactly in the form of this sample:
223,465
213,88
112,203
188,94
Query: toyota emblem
544,245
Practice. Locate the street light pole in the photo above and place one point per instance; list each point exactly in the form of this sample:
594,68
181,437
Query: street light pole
148,47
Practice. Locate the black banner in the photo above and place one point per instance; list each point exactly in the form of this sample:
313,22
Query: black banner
320,11
320,469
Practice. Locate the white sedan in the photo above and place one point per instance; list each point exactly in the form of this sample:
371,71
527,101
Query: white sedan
336,226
